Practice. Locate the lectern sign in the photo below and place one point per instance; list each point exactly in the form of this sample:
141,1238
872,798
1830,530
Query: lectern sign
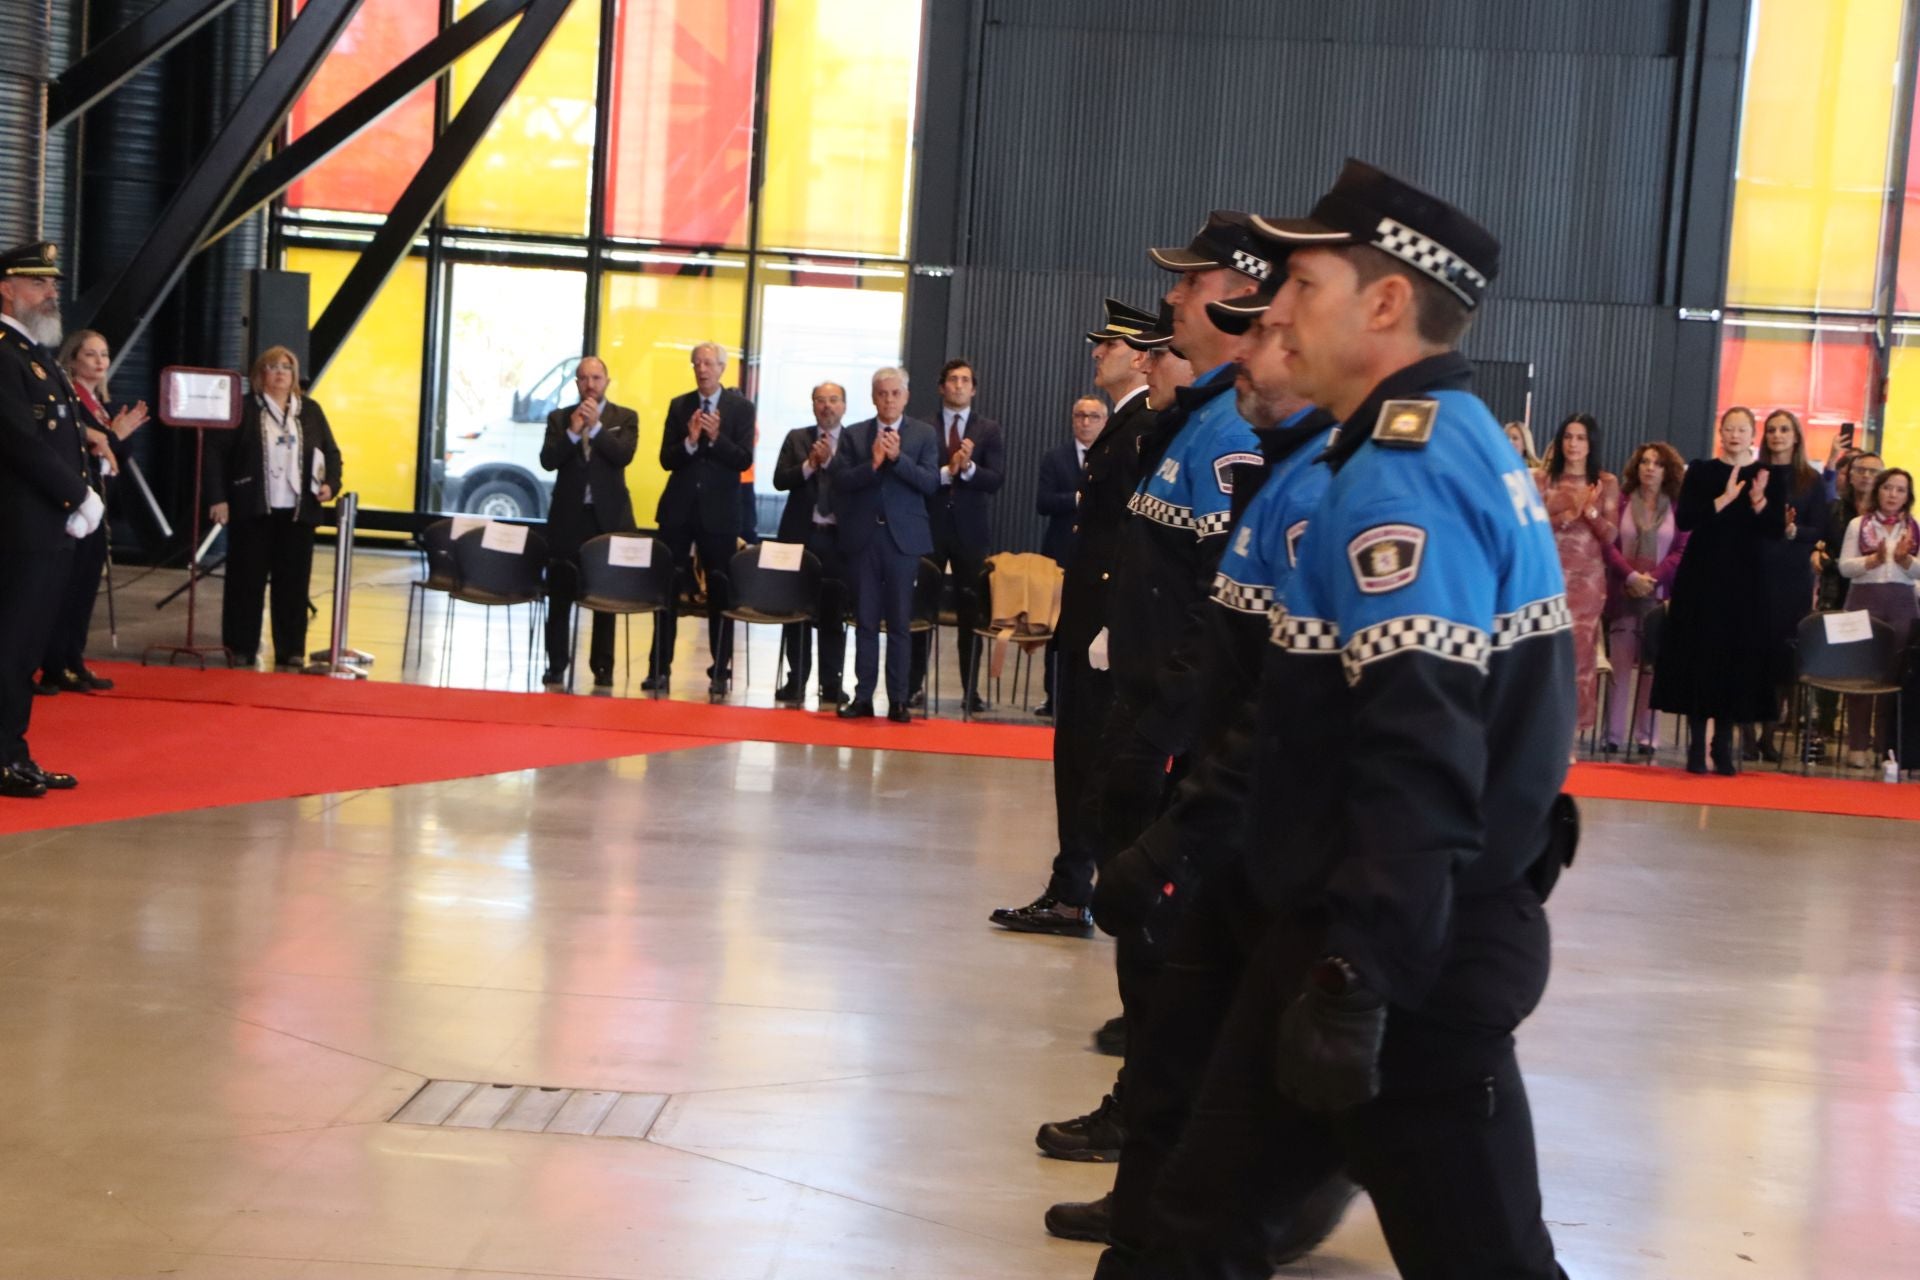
204,398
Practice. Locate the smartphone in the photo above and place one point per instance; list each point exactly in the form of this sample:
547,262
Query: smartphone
1846,435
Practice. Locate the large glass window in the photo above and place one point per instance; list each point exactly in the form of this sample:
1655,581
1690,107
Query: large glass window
1900,421
1823,375
368,174
513,340
371,391
681,138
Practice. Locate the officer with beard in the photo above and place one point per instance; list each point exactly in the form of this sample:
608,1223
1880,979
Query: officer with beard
45,503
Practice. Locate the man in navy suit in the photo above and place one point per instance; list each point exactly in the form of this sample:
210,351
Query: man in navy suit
970,471
707,443
1058,499
882,473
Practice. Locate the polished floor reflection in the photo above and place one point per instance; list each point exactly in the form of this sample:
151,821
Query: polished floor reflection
206,1020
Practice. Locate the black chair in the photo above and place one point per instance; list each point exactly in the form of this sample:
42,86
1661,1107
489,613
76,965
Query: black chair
621,589
500,580
775,597
1868,668
435,544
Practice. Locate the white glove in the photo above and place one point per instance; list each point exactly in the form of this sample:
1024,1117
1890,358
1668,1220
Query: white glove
76,526
89,514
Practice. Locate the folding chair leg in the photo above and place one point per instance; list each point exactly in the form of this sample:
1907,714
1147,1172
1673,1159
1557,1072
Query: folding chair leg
406,630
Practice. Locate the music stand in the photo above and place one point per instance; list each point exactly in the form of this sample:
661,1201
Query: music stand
196,400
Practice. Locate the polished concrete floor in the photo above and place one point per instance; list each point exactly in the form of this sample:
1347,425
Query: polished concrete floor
207,1019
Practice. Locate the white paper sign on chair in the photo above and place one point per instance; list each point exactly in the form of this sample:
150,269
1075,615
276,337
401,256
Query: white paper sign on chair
1850,627
630,553
467,524
782,557
508,538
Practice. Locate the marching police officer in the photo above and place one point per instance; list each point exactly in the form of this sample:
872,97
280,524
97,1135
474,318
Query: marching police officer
45,503
1404,822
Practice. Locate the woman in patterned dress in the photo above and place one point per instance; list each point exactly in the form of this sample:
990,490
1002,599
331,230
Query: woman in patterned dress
1583,505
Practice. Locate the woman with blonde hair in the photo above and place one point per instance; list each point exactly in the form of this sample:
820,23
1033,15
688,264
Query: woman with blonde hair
267,482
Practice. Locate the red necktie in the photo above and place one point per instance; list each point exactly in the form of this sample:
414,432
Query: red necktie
954,437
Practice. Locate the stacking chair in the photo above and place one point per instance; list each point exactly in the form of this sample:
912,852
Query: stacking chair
1653,626
621,589
1866,667
1026,642
435,544
500,580
774,597
1603,680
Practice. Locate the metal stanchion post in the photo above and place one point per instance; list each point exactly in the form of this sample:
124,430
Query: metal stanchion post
337,659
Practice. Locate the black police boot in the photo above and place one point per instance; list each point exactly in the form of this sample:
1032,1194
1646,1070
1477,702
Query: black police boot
1111,1038
1089,1220
1723,754
1093,1138
1696,744
1307,1228
1045,914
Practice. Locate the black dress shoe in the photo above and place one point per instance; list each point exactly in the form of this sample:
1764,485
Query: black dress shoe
717,690
603,678
99,684
976,704
47,685
1046,914
75,682
1045,710
899,715
790,694
1089,1220
19,786
1093,1138
553,675
832,695
656,683
858,709
51,781
918,700
1111,1038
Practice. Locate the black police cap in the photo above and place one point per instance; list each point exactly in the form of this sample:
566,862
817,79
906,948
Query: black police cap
1159,335
1372,207
1122,320
1228,240
41,258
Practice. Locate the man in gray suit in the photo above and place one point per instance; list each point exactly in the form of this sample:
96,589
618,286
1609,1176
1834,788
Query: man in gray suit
882,473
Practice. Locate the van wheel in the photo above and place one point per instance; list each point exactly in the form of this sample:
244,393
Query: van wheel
501,500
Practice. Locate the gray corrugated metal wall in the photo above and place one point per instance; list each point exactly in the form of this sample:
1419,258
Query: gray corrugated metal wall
1105,127
23,75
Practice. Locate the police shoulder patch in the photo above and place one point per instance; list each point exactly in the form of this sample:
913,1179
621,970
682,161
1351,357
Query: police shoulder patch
1224,464
1386,557
1405,424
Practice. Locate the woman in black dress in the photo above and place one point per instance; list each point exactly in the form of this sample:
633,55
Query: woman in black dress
1713,662
1788,562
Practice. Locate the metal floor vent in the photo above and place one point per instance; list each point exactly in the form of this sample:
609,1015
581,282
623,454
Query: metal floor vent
532,1108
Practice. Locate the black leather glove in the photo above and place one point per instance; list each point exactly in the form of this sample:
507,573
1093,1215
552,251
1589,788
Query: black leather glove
1329,1050
1130,886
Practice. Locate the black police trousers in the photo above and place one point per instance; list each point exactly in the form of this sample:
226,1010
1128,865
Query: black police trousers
1446,1151
30,585
1081,701
66,647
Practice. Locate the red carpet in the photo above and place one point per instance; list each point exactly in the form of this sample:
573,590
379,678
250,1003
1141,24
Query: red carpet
173,739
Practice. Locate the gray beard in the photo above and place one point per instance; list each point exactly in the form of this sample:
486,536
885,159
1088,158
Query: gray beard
43,325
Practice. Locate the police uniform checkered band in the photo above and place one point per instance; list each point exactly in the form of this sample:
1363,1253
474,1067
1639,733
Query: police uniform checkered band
1214,524
1437,636
1542,617
1240,596
1432,257
1303,635
1160,511
1251,264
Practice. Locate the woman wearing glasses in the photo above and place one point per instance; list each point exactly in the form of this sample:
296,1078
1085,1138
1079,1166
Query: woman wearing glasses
267,482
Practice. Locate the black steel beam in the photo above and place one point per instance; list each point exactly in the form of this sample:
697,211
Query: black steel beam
108,65
423,195
121,307
383,95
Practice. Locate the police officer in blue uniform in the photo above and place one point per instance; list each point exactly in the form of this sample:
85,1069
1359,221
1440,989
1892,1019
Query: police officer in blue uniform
1404,822
45,504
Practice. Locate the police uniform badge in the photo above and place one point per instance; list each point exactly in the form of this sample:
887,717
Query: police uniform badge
1405,424
1386,557
1223,468
38,372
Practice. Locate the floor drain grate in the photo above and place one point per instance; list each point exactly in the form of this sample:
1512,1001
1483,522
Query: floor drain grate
532,1108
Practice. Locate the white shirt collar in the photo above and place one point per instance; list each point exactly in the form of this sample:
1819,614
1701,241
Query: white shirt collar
1124,400
12,323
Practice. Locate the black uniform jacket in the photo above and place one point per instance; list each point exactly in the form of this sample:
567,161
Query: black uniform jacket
1107,484
43,462
703,487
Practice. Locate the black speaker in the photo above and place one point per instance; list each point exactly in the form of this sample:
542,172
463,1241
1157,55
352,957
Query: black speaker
277,314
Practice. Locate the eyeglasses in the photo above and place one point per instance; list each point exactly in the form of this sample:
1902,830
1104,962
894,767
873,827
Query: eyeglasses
279,368
1089,415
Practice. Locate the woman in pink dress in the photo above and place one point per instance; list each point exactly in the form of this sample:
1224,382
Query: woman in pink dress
1642,560
1583,506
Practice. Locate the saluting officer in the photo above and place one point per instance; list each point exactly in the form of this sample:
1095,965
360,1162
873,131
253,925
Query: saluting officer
1404,822
45,503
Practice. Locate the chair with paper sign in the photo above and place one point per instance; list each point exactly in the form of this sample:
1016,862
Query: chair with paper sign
435,544
498,566
1851,653
775,583
624,574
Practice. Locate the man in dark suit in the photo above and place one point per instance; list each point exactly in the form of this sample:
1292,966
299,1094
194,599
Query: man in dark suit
1059,498
707,443
970,458
588,447
45,504
883,472
804,472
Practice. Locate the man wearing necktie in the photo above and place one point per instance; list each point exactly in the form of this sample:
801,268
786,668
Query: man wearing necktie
970,472
707,443
45,504
588,446
811,519
1058,499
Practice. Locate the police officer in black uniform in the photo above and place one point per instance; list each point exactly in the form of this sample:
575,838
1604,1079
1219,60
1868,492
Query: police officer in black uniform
1404,823
45,504
1084,690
